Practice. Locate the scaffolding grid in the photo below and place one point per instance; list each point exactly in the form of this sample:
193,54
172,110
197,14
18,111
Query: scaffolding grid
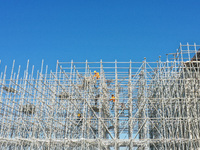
155,105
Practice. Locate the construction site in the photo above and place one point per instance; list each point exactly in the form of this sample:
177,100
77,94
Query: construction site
103,105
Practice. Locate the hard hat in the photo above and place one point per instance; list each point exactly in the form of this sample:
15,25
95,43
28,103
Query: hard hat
79,115
95,71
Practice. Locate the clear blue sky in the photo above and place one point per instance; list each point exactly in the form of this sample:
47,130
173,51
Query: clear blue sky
95,29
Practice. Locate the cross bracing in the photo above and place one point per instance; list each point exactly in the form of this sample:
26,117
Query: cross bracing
155,106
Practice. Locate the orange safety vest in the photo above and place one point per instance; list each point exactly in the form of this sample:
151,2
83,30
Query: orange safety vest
112,99
97,75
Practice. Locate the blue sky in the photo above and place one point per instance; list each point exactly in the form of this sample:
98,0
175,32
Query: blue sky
93,29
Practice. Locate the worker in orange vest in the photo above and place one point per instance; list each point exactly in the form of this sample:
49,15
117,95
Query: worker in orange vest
80,119
96,74
113,100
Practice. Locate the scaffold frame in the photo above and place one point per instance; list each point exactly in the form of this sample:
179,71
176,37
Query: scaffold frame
155,105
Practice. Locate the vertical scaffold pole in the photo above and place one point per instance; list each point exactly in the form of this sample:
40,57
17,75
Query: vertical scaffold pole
130,103
116,126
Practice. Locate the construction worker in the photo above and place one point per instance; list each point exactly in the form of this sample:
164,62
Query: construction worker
80,119
96,98
96,75
113,100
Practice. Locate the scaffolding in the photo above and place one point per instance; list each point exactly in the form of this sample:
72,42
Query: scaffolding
156,105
